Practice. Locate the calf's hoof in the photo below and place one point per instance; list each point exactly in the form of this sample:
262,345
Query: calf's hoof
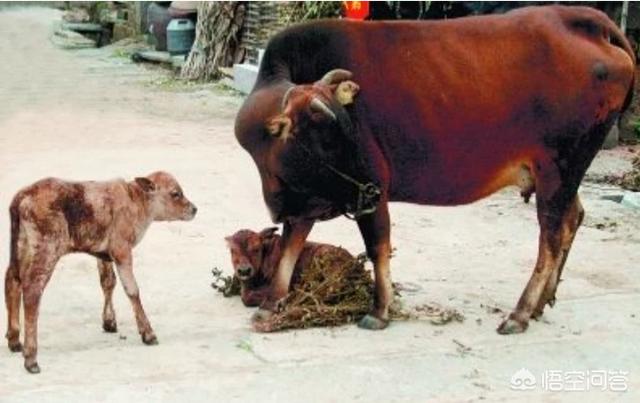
32,367
149,339
110,326
15,347
371,322
512,326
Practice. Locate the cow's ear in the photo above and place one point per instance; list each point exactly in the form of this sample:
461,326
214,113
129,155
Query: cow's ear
280,126
146,184
345,92
268,232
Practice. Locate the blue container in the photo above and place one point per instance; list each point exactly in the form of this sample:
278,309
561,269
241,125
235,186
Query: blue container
181,33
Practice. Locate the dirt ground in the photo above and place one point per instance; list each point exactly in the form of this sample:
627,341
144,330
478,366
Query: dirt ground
91,114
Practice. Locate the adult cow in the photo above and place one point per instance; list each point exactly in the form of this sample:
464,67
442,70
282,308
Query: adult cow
447,113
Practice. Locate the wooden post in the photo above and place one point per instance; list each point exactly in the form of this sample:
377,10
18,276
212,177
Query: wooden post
623,16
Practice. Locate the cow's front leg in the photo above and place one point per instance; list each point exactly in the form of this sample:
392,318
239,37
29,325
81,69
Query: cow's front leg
376,232
294,235
124,264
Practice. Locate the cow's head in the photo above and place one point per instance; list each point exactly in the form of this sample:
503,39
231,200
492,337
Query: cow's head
315,109
315,129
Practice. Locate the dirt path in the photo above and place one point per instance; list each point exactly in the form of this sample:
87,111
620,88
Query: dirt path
92,115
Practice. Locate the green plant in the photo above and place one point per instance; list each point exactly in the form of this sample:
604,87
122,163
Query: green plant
636,127
309,10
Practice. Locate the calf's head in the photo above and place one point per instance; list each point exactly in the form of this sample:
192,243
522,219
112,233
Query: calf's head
249,251
166,200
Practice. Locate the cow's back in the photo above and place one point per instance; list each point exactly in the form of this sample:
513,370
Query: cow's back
456,108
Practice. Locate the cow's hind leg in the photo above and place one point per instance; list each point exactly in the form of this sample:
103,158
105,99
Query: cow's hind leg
569,229
34,280
553,219
108,283
559,216
12,298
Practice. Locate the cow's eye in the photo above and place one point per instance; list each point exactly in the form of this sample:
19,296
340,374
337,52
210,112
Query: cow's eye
176,194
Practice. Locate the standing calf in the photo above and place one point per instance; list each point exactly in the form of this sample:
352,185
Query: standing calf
52,218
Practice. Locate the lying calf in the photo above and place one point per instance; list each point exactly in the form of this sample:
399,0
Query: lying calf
255,256
52,218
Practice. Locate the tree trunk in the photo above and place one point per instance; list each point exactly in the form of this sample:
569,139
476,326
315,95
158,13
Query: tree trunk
217,42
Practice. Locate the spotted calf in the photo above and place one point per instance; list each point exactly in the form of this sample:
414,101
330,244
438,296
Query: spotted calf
52,218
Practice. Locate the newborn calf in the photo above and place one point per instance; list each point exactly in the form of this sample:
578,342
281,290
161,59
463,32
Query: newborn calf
52,218
255,256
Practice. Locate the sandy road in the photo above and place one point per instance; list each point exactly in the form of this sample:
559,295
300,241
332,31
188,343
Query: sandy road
89,115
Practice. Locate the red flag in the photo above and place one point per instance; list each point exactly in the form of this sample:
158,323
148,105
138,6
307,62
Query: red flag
356,10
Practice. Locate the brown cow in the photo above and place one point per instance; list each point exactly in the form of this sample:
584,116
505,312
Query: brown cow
447,112
255,257
52,218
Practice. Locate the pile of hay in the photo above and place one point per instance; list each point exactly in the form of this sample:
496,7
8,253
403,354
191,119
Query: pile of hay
227,285
630,180
333,290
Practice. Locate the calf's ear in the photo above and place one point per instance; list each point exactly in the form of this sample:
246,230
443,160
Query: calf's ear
279,126
146,184
268,232
229,241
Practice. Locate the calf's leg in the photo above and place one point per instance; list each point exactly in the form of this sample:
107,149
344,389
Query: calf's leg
253,296
34,280
294,235
124,265
12,299
375,229
108,283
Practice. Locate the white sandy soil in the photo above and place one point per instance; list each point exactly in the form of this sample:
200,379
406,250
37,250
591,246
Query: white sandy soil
90,114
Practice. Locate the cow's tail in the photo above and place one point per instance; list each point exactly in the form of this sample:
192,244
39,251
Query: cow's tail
597,25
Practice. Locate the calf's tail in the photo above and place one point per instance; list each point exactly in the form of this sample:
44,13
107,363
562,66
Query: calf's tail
14,214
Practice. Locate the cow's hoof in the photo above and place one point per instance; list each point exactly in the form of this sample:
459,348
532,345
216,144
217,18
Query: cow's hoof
537,313
32,367
110,326
261,315
370,322
15,347
512,326
260,321
149,339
